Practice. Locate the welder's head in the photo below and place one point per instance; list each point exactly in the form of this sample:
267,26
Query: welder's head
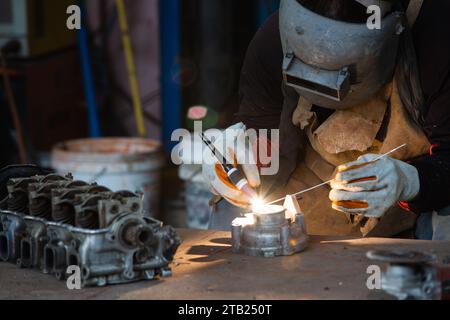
333,56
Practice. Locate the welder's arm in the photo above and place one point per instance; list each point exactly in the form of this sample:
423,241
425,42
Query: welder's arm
260,85
233,146
432,43
434,174
371,187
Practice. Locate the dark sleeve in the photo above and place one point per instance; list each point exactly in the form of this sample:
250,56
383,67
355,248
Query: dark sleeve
432,41
260,88
265,102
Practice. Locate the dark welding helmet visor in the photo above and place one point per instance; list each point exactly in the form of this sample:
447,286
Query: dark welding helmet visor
336,64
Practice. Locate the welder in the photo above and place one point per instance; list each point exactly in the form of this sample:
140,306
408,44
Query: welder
341,93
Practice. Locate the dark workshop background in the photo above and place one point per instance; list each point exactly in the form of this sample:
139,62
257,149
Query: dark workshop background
187,53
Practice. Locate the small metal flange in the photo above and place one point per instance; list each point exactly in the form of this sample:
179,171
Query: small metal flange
410,275
269,233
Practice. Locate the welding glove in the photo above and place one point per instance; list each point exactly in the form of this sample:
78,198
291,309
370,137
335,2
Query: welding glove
233,146
370,187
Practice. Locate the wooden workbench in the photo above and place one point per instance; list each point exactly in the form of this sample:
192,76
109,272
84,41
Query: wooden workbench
205,268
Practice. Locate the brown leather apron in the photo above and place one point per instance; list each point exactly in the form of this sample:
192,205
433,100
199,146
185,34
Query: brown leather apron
343,137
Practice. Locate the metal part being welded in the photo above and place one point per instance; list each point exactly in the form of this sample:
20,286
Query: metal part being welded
51,222
409,275
271,231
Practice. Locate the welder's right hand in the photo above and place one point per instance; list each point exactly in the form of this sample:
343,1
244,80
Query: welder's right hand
231,143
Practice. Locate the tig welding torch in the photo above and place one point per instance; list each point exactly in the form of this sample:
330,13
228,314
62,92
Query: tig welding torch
236,176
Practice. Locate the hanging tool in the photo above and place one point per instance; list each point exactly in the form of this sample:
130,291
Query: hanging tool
329,181
13,47
131,67
235,175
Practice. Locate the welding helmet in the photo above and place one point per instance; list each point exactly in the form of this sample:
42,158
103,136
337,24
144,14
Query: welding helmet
336,64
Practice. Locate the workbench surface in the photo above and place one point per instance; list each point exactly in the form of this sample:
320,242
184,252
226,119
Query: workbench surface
205,268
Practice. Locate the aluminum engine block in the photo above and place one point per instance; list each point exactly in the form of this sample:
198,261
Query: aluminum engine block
52,222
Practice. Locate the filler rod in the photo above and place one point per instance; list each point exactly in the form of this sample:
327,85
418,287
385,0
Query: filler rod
329,181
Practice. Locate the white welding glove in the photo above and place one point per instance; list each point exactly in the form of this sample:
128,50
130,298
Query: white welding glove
371,187
231,144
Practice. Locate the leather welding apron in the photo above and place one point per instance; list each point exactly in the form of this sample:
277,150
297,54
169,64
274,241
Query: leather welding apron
376,126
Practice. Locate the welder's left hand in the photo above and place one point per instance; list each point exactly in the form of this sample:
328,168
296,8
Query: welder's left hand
371,187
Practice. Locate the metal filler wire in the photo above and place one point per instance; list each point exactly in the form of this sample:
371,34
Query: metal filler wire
329,181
